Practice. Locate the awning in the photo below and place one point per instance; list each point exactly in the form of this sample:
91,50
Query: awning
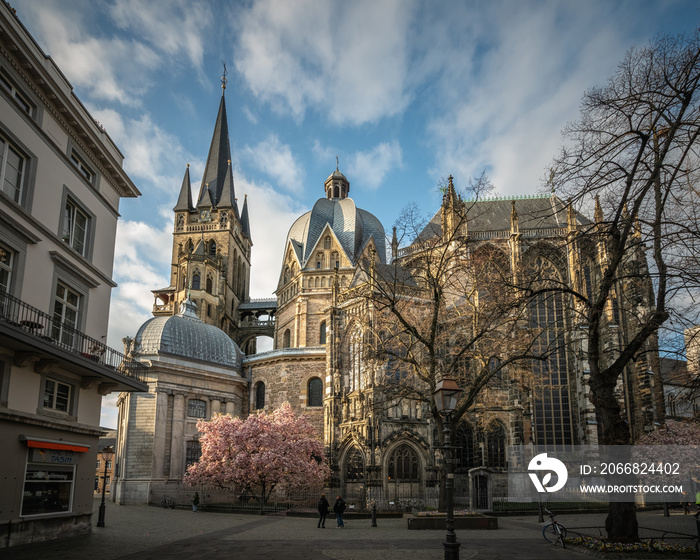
60,445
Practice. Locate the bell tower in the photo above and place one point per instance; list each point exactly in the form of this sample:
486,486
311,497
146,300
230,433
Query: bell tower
211,241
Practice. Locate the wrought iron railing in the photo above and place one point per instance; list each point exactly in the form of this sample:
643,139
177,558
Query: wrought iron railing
43,326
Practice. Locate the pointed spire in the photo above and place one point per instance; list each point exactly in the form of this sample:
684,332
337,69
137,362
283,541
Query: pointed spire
571,217
245,222
217,160
514,222
598,214
205,200
184,201
228,194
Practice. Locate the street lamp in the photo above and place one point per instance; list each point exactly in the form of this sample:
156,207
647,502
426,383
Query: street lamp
446,395
106,456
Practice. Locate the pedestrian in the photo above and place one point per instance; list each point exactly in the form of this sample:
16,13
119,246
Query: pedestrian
338,509
323,507
195,501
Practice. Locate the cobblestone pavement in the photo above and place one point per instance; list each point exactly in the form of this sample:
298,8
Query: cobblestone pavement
141,532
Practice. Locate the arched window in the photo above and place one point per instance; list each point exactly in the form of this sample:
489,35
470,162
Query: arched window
212,248
259,395
335,260
209,309
210,284
287,339
354,466
223,219
403,464
551,403
466,448
496,446
196,280
190,246
327,242
320,261
322,333
315,392
287,275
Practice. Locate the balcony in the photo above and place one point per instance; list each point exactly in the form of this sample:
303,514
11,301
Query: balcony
36,336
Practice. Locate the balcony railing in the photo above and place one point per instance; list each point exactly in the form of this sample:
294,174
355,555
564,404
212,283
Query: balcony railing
23,316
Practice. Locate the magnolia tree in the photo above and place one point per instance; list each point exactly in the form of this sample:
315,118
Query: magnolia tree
263,452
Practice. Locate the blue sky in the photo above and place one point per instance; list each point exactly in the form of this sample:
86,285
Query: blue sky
404,92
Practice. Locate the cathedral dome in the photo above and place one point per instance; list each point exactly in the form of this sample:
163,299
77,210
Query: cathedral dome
351,225
185,335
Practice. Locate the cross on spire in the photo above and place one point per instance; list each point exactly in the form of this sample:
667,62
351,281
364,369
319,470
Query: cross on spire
224,81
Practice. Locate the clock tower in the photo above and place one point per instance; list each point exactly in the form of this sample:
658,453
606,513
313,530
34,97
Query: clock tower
211,242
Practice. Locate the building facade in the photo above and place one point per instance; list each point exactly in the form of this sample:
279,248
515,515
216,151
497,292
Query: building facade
322,363
61,183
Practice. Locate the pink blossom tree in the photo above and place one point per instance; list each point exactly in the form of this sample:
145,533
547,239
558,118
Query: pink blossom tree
265,451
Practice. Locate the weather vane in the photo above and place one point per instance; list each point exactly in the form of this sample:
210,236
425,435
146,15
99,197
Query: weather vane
224,81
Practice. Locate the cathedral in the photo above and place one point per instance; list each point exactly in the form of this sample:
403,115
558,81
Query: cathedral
201,351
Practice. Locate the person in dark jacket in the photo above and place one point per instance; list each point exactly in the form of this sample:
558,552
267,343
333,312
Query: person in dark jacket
323,507
338,509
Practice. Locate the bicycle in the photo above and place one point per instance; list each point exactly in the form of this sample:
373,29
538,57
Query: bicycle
167,503
553,531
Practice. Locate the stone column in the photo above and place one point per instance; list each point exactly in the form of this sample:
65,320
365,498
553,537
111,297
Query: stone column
231,407
178,438
159,435
215,406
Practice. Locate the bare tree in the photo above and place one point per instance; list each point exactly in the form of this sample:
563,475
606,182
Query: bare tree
445,306
633,155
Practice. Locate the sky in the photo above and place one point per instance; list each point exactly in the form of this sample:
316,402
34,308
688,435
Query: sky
403,92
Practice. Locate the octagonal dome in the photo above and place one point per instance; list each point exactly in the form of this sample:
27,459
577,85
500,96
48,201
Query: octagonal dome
185,335
351,225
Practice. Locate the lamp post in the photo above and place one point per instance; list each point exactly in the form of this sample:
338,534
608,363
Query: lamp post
106,455
446,395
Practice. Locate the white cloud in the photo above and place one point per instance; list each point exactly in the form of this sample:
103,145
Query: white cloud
346,59
150,153
277,161
369,168
170,26
271,216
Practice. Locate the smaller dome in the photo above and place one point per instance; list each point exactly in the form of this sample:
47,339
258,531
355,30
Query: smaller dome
186,336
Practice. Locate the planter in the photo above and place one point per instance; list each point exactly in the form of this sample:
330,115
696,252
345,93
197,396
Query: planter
435,523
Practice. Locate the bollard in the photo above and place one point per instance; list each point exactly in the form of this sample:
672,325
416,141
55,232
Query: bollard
374,515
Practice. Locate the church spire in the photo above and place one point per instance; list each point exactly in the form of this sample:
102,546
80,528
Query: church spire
228,194
245,221
218,158
184,201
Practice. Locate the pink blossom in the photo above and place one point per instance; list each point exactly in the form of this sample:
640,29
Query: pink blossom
263,452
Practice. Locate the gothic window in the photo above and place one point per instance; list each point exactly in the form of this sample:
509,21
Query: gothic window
193,453
335,260
552,416
322,333
180,220
355,381
354,466
259,396
496,446
466,447
315,392
190,246
210,284
327,242
287,339
403,464
212,248
223,219
320,261
286,275
196,280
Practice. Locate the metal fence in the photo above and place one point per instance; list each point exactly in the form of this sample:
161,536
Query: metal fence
31,320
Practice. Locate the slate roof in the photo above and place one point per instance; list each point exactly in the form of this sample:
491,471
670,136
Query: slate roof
494,215
217,161
351,225
184,335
